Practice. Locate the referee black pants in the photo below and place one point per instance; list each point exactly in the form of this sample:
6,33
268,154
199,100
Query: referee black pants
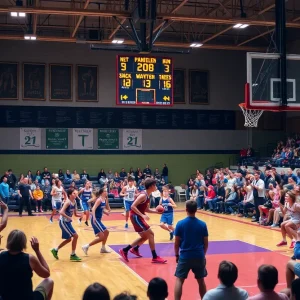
258,201
25,200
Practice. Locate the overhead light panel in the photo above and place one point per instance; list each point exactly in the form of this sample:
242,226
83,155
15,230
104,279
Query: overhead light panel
240,26
19,3
244,26
196,45
14,14
117,41
30,37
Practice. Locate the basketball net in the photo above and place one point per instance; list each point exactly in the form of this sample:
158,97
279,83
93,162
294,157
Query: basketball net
251,115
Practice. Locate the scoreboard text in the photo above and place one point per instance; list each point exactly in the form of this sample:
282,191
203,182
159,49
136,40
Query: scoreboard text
144,80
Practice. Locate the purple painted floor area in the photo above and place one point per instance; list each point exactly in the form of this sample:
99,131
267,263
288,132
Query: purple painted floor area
215,247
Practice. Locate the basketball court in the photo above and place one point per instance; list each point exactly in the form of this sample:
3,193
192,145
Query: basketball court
231,238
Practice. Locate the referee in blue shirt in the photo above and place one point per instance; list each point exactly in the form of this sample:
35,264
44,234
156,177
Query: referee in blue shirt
191,237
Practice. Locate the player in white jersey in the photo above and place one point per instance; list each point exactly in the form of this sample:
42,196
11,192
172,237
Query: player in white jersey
57,194
128,192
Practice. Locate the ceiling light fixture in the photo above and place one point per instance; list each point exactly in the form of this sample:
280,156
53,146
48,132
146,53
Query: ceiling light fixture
240,26
117,41
196,45
30,37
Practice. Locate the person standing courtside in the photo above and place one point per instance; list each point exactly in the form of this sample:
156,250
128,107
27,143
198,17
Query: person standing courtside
191,236
25,194
258,186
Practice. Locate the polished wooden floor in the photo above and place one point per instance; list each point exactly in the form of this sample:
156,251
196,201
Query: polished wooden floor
72,278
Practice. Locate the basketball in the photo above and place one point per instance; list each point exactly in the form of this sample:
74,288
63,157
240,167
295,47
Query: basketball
159,209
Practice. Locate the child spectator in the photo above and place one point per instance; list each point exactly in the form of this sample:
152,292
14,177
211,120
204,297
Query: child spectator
194,193
211,195
157,289
96,291
38,196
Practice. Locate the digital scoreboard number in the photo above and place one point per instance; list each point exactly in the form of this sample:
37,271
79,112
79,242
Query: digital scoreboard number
144,80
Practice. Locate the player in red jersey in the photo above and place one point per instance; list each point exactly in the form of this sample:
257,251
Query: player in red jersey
138,219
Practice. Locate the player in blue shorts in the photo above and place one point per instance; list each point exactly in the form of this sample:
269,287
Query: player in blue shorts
65,223
128,192
167,217
100,207
86,194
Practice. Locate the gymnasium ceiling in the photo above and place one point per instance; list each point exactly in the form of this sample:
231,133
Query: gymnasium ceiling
209,22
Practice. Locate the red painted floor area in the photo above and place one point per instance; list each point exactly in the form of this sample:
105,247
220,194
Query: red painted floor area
247,264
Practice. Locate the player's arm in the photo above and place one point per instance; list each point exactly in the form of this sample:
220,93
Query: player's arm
3,222
53,192
150,210
62,212
30,193
92,199
205,240
76,212
80,191
160,201
122,193
140,199
172,203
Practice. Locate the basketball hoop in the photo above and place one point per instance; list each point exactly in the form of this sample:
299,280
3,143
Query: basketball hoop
251,115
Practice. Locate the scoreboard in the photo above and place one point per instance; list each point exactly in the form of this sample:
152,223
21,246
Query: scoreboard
144,80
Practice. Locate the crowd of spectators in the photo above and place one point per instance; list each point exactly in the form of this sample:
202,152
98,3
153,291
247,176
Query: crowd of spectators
37,187
266,196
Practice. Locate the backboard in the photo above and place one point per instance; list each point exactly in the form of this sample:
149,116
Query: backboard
262,90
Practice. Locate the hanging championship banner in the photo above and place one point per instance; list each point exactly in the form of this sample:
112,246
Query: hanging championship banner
132,139
30,138
83,139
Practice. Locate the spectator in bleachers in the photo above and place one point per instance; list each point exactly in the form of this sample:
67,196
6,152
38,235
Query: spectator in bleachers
220,197
76,177
258,186
288,175
21,178
84,176
157,289
194,194
264,209
248,201
156,197
123,173
38,176
141,186
117,178
266,282
165,174
73,185
269,179
276,176
131,173
208,178
147,172
231,182
68,177
4,190
29,175
47,196
240,180
227,275
282,157
17,267
46,174
289,227
38,196
189,186
211,195
61,175
232,200
96,291
32,184
11,179
110,176
290,184
5,175
156,174
201,197
101,174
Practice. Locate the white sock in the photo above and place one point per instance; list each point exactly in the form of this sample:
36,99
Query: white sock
87,246
73,253
56,249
